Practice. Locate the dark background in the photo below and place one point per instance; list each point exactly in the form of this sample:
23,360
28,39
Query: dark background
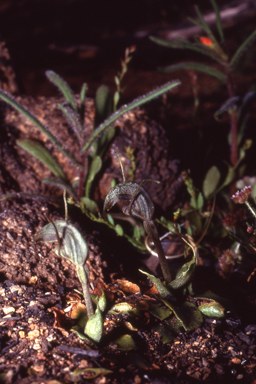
84,41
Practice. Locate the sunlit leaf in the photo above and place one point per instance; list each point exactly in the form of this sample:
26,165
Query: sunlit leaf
94,168
119,230
74,120
94,326
211,181
63,87
125,343
11,101
42,154
90,204
103,104
212,309
126,108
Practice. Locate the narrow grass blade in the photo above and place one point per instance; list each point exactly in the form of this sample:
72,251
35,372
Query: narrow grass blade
11,101
179,43
126,108
42,154
242,49
218,20
63,87
196,67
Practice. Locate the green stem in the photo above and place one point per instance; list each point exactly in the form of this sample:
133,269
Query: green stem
251,209
83,277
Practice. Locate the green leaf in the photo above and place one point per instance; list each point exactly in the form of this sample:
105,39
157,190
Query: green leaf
228,106
94,326
187,313
212,309
102,303
61,184
125,343
11,101
164,332
123,307
126,108
73,246
63,87
94,168
92,372
90,204
119,230
73,119
218,20
211,181
103,104
190,65
42,154
200,201
158,312
179,43
184,274
242,49
162,290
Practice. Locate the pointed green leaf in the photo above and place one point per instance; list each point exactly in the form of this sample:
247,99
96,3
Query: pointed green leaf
63,87
103,104
211,181
119,230
42,154
73,119
212,309
200,201
125,343
102,303
94,326
11,101
184,274
195,67
162,290
90,204
95,167
218,20
73,246
242,49
126,108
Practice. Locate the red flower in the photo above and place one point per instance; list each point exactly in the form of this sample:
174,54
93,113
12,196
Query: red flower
206,41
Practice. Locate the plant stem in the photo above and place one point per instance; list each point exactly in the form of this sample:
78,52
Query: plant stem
152,233
83,278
